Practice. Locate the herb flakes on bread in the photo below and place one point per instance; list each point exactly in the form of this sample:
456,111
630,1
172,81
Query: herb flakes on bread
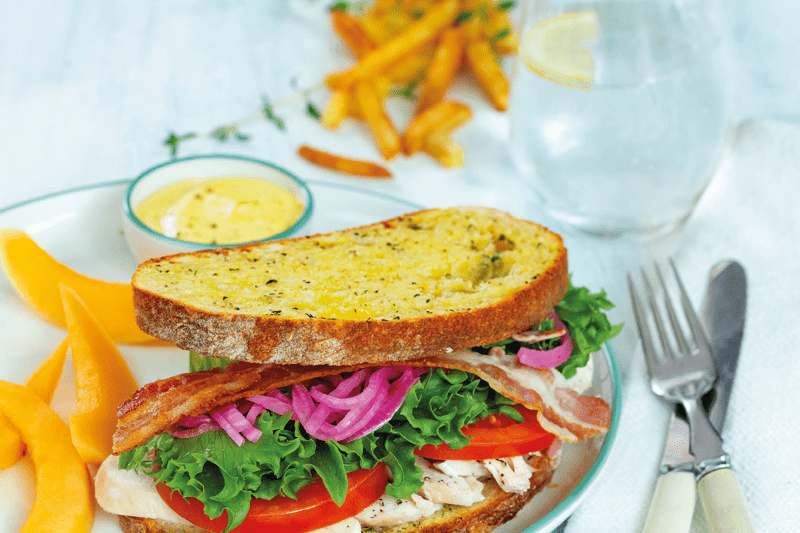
434,280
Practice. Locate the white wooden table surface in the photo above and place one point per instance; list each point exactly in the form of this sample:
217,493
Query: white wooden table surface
90,89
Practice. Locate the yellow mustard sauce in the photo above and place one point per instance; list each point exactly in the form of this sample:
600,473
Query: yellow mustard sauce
220,210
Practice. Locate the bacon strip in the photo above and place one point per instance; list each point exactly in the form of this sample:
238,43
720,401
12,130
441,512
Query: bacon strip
561,411
158,406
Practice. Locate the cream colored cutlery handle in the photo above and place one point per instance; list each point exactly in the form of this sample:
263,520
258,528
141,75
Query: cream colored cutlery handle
672,505
723,502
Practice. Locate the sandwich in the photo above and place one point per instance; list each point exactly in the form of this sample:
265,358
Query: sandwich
420,374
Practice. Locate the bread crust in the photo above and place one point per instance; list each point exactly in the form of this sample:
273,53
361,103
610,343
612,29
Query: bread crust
267,339
496,509
133,524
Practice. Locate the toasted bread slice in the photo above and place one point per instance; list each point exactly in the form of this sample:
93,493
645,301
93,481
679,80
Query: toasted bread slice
497,508
434,280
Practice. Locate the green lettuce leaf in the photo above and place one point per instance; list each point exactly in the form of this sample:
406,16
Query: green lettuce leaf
198,363
583,314
225,477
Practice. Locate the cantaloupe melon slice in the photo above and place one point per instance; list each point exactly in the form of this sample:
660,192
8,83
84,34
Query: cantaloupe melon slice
11,445
64,500
36,275
102,380
43,383
45,379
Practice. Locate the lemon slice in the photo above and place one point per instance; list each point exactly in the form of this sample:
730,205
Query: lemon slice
558,48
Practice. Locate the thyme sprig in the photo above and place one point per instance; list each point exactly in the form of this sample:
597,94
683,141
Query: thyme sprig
233,130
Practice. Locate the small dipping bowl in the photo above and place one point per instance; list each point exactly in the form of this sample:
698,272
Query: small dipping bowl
146,243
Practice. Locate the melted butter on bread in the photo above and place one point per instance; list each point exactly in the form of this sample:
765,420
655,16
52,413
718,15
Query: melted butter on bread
381,292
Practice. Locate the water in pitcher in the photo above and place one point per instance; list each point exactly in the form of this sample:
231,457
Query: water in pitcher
618,114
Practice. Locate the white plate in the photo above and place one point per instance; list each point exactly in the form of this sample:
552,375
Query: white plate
82,229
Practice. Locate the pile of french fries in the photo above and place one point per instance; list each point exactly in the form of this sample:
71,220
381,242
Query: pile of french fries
420,45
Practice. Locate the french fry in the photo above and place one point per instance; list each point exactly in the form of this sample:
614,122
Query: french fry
444,150
442,69
382,86
343,164
380,8
352,33
413,38
341,104
410,68
488,73
416,6
336,109
419,46
378,29
442,117
470,19
383,131
499,30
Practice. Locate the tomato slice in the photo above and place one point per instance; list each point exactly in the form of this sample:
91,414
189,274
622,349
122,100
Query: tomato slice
495,436
313,508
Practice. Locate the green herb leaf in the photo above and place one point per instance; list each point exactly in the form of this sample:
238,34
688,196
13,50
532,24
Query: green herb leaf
502,34
312,111
464,16
223,133
407,91
505,5
269,114
340,6
173,140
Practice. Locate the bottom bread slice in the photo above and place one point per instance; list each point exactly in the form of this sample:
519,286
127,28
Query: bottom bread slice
497,508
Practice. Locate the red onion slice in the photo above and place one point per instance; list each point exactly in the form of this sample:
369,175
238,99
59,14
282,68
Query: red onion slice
273,400
227,427
548,358
235,424
373,397
331,408
397,393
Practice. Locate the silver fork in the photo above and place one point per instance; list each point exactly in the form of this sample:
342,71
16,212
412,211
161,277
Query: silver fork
684,370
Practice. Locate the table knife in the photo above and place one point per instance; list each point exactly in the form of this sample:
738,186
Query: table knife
717,485
673,501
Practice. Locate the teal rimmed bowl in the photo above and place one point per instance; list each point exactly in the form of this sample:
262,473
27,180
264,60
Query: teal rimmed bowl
146,243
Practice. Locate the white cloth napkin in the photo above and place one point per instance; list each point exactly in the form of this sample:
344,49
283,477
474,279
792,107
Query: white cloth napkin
738,218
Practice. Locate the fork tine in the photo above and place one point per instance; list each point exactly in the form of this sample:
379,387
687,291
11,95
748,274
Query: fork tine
644,332
698,333
662,332
683,346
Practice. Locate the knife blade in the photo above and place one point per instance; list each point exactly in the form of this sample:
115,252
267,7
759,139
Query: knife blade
724,316
673,501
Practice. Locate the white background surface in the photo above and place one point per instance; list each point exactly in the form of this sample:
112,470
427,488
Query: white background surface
90,89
